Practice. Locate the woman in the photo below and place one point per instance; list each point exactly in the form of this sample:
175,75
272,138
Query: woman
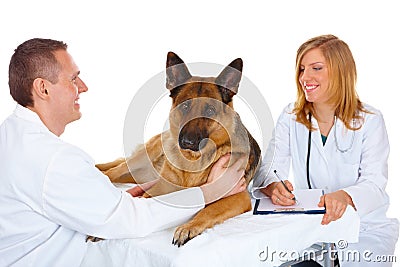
334,142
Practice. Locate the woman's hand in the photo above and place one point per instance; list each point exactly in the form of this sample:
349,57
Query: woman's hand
224,181
335,204
278,193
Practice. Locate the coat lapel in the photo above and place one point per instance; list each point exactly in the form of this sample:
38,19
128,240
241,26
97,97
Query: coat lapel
317,141
319,166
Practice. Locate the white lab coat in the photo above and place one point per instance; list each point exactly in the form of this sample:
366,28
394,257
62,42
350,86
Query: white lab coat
52,196
361,172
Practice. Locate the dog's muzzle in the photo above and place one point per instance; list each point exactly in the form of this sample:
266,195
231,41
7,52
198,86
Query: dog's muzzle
193,139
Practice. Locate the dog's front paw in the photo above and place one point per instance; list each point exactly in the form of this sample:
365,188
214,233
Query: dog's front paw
186,232
93,239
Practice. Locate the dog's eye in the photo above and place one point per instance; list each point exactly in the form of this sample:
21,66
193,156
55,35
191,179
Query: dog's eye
209,111
184,107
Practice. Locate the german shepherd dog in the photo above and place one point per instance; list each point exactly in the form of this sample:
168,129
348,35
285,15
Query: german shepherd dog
203,127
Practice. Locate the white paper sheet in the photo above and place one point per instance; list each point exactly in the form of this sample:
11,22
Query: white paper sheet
306,200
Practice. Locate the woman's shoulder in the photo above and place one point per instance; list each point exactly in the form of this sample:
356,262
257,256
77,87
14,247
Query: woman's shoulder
287,115
287,112
371,115
288,109
370,109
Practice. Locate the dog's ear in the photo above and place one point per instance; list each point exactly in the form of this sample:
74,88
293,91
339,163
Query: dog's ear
177,72
229,79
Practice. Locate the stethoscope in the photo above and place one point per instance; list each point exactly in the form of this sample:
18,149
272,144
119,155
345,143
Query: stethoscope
336,143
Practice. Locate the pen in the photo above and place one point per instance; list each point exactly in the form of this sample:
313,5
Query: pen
276,173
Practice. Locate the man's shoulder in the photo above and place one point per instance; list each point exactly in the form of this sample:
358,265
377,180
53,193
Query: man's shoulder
32,140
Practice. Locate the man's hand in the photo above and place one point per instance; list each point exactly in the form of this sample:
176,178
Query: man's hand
224,181
140,189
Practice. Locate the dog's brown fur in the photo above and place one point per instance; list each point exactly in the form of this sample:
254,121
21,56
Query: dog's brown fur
183,156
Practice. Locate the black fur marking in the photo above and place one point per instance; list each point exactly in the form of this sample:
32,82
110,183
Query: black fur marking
226,94
176,71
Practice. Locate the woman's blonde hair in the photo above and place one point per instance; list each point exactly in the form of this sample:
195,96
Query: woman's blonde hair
342,74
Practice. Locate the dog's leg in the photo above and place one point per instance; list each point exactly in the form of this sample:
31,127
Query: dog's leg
106,166
211,215
162,187
120,174
117,171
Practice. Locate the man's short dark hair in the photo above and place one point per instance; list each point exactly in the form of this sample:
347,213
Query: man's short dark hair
33,59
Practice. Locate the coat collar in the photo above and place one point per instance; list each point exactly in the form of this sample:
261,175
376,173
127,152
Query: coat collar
29,115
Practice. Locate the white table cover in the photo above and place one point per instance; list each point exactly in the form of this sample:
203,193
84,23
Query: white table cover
246,240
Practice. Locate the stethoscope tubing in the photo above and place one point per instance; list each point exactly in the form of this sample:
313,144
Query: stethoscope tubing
336,143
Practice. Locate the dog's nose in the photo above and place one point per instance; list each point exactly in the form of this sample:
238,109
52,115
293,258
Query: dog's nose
186,143
193,141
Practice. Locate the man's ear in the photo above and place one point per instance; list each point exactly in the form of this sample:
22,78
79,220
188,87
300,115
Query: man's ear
39,88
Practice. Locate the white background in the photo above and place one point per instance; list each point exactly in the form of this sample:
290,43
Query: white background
119,45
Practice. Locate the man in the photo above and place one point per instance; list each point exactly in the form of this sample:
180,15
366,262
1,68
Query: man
51,194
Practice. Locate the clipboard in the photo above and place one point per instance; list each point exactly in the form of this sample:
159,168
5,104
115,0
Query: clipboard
307,203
